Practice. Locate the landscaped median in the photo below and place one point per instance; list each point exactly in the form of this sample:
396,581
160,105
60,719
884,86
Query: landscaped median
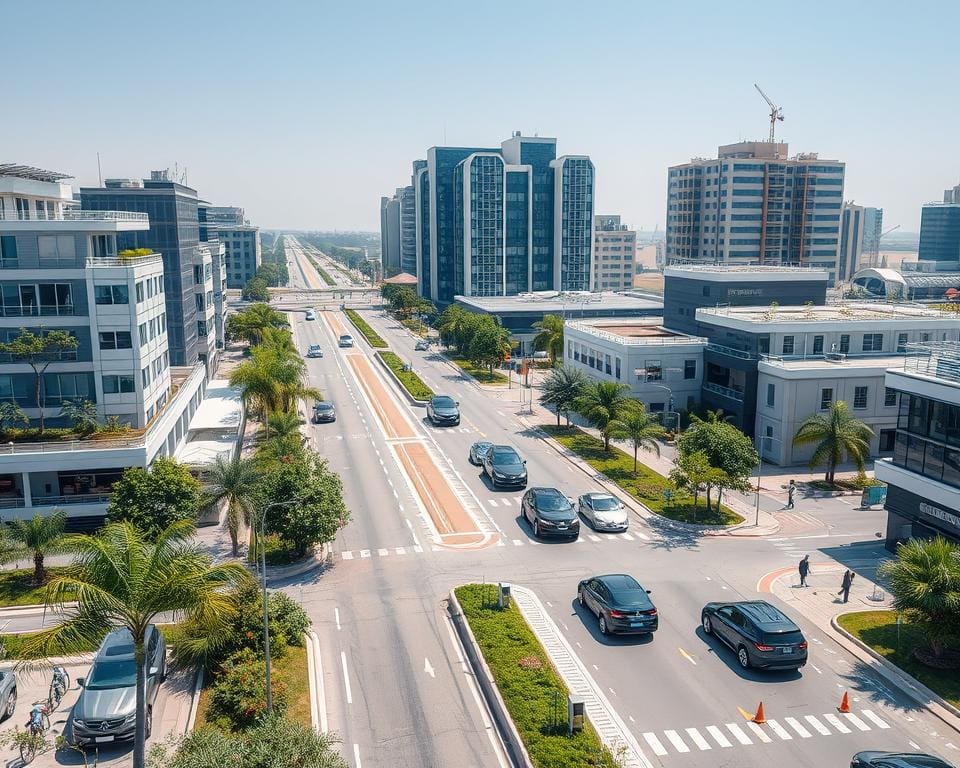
482,374
322,272
407,378
656,492
531,689
368,333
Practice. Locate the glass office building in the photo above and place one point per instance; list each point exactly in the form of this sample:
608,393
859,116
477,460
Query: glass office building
940,235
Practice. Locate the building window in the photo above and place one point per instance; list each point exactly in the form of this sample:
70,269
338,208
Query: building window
57,248
618,367
139,290
111,294
689,369
113,385
901,342
656,407
8,252
889,397
887,439
115,340
872,342
860,397
844,343
826,398
764,345
145,376
654,370
706,290
606,365
103,246
202,330
142,328
924,338
771,395
818,345
788,345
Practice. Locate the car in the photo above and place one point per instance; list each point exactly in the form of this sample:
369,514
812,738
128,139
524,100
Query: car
8,692
422,345
324,412
504,467
550,513
896,760
314,350
620,604
478,450
311,315
760,634
346,340
603,511
443,410
106,710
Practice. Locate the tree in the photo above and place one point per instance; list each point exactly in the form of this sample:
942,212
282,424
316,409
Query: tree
10,414
714,417
250,323
550,337
727,449
275,376
835,434
490,344
39,536
256,289
692,473
561,388
925,584
39,351
83,414
640,428
154,498
602,403
451,324
235,482
123,579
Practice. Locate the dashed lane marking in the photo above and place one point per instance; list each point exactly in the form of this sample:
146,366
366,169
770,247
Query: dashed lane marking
759,732
817,725
678,743
836,722
778,729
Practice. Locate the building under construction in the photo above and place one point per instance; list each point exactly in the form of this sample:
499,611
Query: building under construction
754,204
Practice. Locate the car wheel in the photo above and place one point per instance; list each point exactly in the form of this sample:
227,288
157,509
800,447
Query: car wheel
583,603
743,657
707,625
11,704
602,622
148,725
536,528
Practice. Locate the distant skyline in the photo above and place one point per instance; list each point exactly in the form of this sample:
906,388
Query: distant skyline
304,114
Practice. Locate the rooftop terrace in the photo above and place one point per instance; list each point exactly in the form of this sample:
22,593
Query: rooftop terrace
847,312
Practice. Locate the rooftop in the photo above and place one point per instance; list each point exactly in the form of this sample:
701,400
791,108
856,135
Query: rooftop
31,173
553,301
745,272
938,360
848,312
837,364
634,331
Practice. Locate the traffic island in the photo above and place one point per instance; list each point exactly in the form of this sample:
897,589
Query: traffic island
373,338
411,385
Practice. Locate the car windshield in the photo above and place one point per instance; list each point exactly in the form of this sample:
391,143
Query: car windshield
444,402
604,503
482,447
552,502
505,456
324,406
112,673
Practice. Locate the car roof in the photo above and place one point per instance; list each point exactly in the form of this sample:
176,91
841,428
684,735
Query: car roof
443,397
619,581
906,759
118,644
597,495
483,442
765,614
323,404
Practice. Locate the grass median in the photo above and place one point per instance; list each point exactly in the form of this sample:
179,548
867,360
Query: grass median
656,492
368,333
479,372
529,685
18,588
323,273
879,631
410,381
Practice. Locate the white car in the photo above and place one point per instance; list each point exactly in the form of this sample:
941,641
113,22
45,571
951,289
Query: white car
603,511
311,315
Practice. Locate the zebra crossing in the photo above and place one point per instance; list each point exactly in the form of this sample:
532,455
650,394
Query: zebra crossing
747,733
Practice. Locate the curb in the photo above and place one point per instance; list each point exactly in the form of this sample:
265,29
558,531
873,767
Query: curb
362,334
195,701
929,700
393,377
506,730
318,699
280,572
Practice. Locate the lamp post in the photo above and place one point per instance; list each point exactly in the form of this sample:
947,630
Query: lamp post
756,520
670,404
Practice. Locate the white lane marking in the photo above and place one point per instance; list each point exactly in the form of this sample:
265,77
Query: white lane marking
818,725
382,552
364,553
612,692
702,743
914,745
951,745
876,720
428,668
417,548
655,745
778,729
641,535
802,732
336,616
687,656
348,555
633,721
356,755
517,543
518,499
738,733
626,536
718,736
592,537
492,502
856,721
346,677
836,722
759,732
549,604
677,742
395,494
817,669
400,550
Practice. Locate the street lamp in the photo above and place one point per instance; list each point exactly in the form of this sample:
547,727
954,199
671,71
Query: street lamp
756,520
670,404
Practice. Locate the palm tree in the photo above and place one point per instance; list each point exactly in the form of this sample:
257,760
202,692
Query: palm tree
285,424
451,323
640,428
234,481
602,403
550,337
925,584
274,378
714,417
562,387
39,536
122,579
250,323
835,434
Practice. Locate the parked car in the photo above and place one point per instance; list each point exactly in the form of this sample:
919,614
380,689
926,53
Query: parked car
346,340
897,760
324,412
8,692
311,315
760,634
603,511
443,410
620,604
479,450
504,467
550,513
422,345
106,709
314,350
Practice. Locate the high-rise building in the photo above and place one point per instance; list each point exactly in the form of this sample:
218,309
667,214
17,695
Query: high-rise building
408,230
754,205
872,231
940,233
614,251
852,219
391,253
240,240
384,230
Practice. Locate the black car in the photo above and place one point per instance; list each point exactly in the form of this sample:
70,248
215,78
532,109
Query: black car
324,412
479,450
550,513
620,604
897,760
761,634
505,468
443,411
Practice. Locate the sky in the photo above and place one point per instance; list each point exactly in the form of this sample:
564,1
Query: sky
305,113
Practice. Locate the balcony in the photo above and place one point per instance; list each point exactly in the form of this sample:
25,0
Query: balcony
76,498
124,261
74,220
75,215
730,394
729,351
40,310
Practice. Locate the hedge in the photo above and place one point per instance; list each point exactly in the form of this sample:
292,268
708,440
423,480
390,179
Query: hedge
411,382
369,334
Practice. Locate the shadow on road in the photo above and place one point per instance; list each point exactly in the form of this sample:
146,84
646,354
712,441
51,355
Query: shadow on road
865,683
592,625
729,657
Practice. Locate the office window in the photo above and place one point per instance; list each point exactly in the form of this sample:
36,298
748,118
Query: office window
826,398
889,397
887,439
844,343
901,342
771,395
115,340
150,285
139,291
860,397
145,376
872,342
818,345
654,370
618,367
56,248
111,294
113,385
706,290
924,337
788,345
606,360
689,369
202,331
764,345
103,246
657,408
142,328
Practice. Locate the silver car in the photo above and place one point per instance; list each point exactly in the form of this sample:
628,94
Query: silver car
107,708
8,693
604,512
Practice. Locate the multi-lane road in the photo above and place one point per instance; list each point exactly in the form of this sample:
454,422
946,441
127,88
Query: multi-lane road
395,687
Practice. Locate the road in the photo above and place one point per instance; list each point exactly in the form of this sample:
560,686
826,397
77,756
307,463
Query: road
379,608
301,252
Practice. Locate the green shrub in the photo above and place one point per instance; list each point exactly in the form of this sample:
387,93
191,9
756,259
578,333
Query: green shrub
238,698
410,381
291,620
368,333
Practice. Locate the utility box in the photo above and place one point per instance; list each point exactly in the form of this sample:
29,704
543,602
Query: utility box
576,711
503,594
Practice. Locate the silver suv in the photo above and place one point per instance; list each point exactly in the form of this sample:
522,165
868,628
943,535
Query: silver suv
107,708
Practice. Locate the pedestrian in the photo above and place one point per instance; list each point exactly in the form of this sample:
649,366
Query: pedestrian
791,490
804,569
845,585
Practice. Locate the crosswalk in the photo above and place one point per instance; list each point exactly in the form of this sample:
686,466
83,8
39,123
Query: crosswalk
747,733
363,554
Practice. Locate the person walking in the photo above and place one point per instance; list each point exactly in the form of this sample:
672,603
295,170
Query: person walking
804,569
791,490
845,585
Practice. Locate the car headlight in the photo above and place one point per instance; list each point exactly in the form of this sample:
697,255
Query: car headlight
132,717
498,474
81,723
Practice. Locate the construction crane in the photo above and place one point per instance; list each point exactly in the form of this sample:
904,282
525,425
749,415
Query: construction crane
888,231
776,113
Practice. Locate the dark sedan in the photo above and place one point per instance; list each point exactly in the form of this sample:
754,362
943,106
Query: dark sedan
550,513
620,604
897,760
760,634
505,468
478,451
443,411
324,412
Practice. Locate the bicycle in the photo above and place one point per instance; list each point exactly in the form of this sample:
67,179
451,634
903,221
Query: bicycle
59,686
34,737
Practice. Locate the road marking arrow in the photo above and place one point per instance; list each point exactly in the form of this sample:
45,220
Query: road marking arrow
428,668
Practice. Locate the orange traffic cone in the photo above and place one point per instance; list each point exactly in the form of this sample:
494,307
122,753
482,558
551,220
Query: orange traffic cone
759,718
844,703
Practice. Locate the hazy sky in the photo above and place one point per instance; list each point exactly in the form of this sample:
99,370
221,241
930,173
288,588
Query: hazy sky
305,113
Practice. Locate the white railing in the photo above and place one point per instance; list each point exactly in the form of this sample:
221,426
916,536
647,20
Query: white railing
636,341
74,215
733,394
123,261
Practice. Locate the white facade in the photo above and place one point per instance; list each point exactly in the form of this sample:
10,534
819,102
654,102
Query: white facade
614,254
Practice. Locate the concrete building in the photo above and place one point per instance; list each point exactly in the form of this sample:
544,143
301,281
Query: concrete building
753,204
242,252
872,232
408,230
391,257
614,252
662,367
940,233
852,221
